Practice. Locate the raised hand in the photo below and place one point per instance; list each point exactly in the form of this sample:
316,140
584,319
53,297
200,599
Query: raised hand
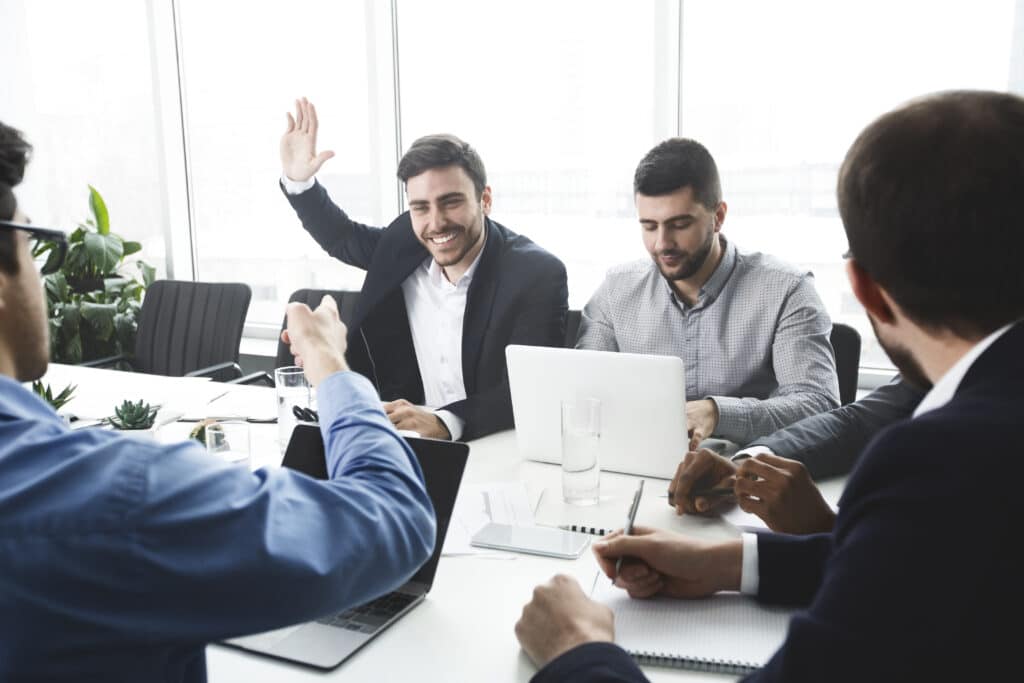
316,339
299,158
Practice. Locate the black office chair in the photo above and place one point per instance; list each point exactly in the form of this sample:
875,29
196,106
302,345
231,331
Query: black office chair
846,344
572,327
188,329
346,300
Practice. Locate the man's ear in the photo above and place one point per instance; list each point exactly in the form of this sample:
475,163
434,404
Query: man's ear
720,212
869,293
485,200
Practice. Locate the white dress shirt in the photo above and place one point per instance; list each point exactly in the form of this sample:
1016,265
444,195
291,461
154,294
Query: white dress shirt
940,394
435,308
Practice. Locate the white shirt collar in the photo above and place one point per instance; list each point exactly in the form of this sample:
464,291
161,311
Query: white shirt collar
436,272
943,391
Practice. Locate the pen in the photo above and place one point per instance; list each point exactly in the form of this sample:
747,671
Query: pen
707,493
628,529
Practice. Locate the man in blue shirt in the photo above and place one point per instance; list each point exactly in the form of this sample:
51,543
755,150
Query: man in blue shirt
120,559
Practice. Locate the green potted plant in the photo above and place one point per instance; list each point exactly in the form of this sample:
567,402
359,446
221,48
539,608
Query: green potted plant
133,415
46,393
93,302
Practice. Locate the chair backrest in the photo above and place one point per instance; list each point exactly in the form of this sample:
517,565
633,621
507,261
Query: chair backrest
346,300
572,327
185,326
846,343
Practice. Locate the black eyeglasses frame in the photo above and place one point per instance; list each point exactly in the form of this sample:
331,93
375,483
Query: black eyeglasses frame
55,242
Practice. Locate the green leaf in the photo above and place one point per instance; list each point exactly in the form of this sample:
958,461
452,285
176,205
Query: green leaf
99,210
100,318
132,248
56,288
77,235
115,285
71,351
103,252
148,273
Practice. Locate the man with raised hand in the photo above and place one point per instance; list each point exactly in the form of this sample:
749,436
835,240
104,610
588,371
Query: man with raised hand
446,288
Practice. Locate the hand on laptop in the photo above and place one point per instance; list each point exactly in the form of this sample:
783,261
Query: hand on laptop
560,617
702,416
316,339
405,415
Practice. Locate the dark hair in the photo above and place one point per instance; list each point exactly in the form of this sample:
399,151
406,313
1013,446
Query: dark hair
932,200
677,163
14,155
437,151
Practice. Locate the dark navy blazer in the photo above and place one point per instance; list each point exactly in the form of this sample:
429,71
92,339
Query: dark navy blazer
917,580
518,295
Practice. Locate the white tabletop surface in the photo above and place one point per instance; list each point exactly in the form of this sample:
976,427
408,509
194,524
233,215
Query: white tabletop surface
463,631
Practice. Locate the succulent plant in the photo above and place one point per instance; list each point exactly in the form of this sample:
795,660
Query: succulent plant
46,393
133,415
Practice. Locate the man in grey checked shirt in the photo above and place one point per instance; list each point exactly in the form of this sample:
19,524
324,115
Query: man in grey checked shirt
751,329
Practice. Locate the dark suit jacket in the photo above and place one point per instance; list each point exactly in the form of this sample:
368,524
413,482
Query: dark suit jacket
518,295
829,443
917,581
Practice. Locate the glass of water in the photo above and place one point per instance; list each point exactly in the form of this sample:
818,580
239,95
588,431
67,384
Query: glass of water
229,440
292,390
581,441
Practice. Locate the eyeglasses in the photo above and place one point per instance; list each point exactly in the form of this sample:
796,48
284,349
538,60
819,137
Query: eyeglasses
52,243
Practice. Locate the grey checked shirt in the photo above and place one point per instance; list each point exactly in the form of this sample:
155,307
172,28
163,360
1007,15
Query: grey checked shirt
756,342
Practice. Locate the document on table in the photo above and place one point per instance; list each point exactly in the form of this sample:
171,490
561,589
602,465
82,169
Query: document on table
478,504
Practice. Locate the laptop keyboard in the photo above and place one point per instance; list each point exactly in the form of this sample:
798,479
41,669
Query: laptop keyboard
371,616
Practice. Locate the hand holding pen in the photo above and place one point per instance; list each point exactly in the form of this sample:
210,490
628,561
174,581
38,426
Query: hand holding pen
703,482
630,518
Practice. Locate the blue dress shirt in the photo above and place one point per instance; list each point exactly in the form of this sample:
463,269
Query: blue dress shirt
120,558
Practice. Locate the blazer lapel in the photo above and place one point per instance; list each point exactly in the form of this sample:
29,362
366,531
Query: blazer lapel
479,302
397,255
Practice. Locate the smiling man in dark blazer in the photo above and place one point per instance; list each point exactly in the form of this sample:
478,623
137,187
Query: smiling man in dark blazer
446,288
919,579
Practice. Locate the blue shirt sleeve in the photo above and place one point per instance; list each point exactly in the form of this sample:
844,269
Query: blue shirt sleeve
218,551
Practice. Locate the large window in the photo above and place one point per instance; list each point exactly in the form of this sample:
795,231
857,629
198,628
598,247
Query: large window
239,79
78,82
778,91
562,99
173,109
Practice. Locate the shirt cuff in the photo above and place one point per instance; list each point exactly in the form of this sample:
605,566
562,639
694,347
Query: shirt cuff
343,392
750,452
296,186
732,419
750,579
455,424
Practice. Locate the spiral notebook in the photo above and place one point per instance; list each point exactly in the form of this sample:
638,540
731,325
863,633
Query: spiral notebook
726,633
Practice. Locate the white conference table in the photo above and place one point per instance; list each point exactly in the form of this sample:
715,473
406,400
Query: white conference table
463,631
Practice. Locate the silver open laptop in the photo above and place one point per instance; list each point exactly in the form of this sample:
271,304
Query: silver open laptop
329,641
643,405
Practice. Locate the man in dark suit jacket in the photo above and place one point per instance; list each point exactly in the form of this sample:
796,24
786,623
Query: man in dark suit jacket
919,578
446,288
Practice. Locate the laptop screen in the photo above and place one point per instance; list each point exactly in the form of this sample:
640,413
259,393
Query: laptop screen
442,462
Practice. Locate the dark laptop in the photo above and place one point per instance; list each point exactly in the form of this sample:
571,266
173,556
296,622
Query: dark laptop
327,642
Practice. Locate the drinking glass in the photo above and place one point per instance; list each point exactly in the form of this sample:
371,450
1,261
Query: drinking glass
581,442
292,390
229,440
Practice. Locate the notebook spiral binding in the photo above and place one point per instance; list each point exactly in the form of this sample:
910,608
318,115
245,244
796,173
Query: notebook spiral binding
718,666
